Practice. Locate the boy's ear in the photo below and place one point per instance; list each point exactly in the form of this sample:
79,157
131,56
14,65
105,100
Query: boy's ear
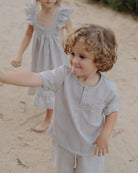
94,61
93,57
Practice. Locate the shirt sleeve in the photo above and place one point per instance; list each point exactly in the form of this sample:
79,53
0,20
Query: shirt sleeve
112,104
53,79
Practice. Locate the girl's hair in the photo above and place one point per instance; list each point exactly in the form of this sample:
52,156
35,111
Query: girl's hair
100,41
57,2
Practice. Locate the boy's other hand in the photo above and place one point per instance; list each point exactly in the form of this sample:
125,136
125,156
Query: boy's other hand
101,145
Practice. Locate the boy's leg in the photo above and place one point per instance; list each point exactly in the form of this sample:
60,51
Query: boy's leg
45,123
92,164
63,160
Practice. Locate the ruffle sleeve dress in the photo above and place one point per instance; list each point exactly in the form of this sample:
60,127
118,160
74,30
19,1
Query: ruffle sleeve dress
47,50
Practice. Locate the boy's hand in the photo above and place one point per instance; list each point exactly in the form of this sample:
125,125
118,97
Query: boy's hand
16,62
101,143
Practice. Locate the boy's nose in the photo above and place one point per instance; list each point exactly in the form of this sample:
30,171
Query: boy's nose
75,60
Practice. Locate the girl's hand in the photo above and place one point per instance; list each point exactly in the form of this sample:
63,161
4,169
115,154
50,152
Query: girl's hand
101,143
16,62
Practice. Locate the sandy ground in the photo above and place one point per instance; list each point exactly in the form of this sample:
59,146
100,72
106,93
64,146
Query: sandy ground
24,151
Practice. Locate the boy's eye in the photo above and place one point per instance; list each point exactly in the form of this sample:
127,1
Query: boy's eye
82,57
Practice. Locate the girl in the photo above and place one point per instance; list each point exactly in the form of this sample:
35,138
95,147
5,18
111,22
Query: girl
47,53
86,102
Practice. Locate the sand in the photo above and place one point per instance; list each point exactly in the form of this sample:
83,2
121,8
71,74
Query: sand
24,151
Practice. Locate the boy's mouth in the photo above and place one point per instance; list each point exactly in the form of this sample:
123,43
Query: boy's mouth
76,66
75,69
48,3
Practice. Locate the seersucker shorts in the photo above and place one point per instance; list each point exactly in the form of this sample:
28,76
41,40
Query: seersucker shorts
66,162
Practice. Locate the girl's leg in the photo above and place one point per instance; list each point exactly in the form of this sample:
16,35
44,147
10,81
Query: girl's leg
45,123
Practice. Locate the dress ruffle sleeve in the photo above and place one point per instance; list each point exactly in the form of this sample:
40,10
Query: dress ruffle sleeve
64,15
30,10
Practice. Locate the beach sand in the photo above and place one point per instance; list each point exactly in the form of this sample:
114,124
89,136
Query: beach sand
24,151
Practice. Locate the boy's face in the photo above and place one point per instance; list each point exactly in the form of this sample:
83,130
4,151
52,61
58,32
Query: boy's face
47,3
81,61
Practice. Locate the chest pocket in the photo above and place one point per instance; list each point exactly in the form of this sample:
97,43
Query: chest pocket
94,114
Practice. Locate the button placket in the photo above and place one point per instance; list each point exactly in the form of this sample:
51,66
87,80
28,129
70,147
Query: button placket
84,98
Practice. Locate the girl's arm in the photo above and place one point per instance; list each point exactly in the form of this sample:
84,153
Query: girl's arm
102,141
24,79
68,26
17,62
68,29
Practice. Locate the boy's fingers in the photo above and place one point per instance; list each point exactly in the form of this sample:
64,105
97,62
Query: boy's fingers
103,152
100,152
107,150
96,150
94,143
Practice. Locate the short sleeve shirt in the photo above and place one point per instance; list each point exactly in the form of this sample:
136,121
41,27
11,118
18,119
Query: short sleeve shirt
79,110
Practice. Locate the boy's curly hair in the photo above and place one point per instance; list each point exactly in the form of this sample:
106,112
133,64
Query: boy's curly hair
57,2
100,41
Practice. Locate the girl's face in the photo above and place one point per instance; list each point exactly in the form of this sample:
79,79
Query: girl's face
81,61
48,3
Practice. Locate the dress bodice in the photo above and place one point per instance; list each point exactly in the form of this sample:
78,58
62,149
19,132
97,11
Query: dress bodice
62,15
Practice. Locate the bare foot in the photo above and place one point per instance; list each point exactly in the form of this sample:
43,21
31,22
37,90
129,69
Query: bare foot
41,127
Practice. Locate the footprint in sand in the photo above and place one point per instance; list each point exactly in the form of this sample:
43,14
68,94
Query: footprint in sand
22,106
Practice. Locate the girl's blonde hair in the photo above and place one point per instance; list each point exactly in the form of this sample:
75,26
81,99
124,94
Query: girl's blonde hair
100,41
57,2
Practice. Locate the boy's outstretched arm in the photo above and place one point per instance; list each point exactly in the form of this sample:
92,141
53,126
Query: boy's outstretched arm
24,79
102,142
